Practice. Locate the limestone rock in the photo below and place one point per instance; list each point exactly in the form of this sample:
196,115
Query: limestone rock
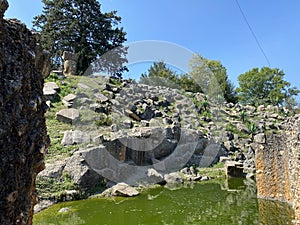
67,115
123,189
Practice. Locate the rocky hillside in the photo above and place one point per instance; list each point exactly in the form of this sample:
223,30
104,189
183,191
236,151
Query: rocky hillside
102,128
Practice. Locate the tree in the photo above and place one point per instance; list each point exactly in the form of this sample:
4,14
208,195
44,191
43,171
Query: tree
79,26
160,75
211,78
264,86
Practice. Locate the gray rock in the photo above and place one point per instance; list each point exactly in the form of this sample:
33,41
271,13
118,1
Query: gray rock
67,115
51,85
154,177
69,100
81,173
50,90
75,137
260,138
173,178
101,98
53,170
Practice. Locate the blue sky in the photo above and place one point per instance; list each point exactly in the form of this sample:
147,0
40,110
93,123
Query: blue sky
213,28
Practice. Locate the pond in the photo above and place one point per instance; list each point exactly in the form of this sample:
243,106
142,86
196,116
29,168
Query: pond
214,202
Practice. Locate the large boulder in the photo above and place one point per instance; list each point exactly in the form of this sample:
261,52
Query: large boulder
80,172
67,115
73,137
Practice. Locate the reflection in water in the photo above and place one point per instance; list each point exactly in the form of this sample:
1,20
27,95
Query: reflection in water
269,211
218,202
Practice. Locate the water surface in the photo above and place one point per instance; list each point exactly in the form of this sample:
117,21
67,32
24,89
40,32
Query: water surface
210,203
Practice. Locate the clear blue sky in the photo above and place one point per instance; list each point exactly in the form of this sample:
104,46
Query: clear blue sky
213,28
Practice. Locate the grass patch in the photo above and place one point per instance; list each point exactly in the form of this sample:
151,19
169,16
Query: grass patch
233,129
56,130
51,187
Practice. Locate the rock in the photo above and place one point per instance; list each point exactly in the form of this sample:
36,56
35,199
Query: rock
51,85
132,115
81,173
53,170
205,178
23,131
75,137
260,108
69,100
212,155
250,176
43,204
154,177
127,124
50,90
224,159
260,138
173,178
67,115
123,189
101,98
64,210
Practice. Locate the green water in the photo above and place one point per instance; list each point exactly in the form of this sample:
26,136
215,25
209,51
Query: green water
204,203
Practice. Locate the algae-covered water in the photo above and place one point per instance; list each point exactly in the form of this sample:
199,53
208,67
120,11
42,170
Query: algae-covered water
217,202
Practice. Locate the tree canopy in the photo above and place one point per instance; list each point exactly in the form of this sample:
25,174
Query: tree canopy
210,77
160,75
265,86
79,26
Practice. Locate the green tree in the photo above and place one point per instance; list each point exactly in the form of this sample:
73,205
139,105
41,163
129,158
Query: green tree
160,75
211,78
264,86
79,26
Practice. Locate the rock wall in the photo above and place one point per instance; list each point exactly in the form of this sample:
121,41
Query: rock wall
278,166
23,138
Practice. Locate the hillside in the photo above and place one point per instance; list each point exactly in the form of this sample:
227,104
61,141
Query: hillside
102,129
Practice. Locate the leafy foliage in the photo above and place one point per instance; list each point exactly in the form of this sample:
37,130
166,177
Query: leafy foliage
264,86
210,77
79,26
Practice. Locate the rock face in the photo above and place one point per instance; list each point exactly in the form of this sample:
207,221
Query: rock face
22,123
278,166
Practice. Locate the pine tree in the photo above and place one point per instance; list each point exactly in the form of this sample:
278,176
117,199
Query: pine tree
79,26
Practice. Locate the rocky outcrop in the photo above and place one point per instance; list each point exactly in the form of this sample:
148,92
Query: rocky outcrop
22,124
278,166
